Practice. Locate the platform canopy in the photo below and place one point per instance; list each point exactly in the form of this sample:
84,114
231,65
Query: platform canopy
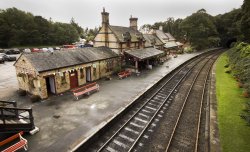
144,53
170,44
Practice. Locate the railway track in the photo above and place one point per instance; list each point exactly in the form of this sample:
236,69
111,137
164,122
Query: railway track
128,133
185,134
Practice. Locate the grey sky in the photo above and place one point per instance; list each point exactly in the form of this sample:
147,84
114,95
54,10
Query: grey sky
87,12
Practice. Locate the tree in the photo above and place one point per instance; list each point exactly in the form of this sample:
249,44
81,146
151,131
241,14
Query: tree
228,26
200,28
19,28
245,20
76,26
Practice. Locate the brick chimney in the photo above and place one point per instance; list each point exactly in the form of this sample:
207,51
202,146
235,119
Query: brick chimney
105,17
133,22
105,25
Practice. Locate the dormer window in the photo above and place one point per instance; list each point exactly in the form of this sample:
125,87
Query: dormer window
126,36
139,36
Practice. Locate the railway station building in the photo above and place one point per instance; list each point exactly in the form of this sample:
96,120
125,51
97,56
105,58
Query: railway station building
170,43
128,42
47,73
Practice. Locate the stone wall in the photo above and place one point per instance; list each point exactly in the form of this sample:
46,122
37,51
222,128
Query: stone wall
100,39
27,76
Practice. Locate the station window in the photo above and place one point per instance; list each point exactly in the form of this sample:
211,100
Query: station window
63,78
81,73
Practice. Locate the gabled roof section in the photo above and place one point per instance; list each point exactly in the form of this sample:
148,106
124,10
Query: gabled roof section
145,53
170,37
152,40
121,31
66,58
161,35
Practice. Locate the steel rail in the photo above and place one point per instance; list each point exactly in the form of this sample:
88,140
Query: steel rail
184,103
200,110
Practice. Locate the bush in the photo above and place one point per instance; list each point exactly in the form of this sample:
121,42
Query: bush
226,65
228,70
239,60
245,94
188,49
35,98
180,52
246,113
240,85
22,92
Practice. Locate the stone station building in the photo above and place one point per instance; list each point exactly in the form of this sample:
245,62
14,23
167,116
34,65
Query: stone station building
47,73
119,38
128,42
170,43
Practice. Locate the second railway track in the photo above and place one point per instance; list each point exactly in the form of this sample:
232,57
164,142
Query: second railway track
133,130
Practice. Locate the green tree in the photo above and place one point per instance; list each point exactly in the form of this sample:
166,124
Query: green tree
245,20
199,28
20,28
228,26
77,27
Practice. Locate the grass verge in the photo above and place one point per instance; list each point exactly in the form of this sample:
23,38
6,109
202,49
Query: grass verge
234,133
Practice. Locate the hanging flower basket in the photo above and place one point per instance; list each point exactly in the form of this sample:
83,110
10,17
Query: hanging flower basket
21,75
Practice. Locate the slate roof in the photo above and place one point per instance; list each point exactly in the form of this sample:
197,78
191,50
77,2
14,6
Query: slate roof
151,39
144,53
66,58
162,36
170,37
170,44
120,30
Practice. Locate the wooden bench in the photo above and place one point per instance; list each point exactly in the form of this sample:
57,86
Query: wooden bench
124,74
87,89
23,143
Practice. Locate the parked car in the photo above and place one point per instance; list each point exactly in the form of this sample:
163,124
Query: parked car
50,49
57,48
44,50
2,60
7,57
35,50
12,51
27,50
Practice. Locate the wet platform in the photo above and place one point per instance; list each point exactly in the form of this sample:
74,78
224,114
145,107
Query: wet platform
64,123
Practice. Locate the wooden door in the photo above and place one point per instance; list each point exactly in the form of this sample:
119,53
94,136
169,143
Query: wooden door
73,80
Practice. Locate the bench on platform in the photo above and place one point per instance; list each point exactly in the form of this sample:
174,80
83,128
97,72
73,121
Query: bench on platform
124,74
23,143
87,89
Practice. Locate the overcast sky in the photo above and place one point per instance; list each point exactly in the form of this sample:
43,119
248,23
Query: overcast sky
87,12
